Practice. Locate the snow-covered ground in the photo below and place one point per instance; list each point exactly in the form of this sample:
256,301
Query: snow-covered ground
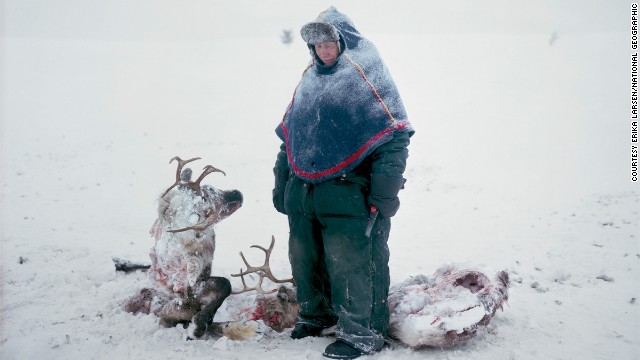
521,161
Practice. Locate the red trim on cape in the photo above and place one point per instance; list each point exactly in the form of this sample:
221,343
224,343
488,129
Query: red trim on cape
346,162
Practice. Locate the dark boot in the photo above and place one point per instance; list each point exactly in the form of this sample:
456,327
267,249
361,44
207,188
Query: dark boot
341,350
301,331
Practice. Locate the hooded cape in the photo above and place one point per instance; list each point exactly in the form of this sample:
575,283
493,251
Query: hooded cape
341,113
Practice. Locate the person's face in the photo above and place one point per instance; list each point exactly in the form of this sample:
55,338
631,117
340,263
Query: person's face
327,52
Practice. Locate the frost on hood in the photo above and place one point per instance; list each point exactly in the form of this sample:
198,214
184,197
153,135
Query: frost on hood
319,32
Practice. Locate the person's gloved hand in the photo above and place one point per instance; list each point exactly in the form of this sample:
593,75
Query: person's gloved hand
384,194
281,176
278,200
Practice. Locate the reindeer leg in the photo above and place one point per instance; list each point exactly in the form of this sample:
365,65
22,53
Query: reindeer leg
211,294
179,310
147,301
140,303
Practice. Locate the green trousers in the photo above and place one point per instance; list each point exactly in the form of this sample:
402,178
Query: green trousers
341,275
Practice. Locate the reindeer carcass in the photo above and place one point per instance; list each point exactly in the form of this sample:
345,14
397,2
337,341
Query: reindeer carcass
277,308
448,308
181,258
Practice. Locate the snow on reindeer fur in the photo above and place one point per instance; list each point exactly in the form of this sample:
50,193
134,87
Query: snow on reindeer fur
447,308
178,258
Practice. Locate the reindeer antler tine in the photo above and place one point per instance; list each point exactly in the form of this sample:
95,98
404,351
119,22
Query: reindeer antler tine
210,220
260,247
244,283
195,186
267,251
214,169
273,242
263,271
181,164
183,161
245,261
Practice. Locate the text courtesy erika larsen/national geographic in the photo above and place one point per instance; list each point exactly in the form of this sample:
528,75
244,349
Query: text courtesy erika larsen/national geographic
634,93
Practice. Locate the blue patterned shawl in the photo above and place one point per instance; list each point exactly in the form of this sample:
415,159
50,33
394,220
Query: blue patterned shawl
339,114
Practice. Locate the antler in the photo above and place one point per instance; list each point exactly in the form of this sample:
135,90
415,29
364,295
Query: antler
210,220
195,186
262,271
181,164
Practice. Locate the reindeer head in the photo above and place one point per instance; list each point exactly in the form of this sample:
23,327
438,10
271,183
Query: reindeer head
186,205
184,232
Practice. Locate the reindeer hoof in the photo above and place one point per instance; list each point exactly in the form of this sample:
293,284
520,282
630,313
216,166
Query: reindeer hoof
196,331
199,332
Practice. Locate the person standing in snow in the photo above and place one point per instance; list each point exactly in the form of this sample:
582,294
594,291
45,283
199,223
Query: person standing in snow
337,177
